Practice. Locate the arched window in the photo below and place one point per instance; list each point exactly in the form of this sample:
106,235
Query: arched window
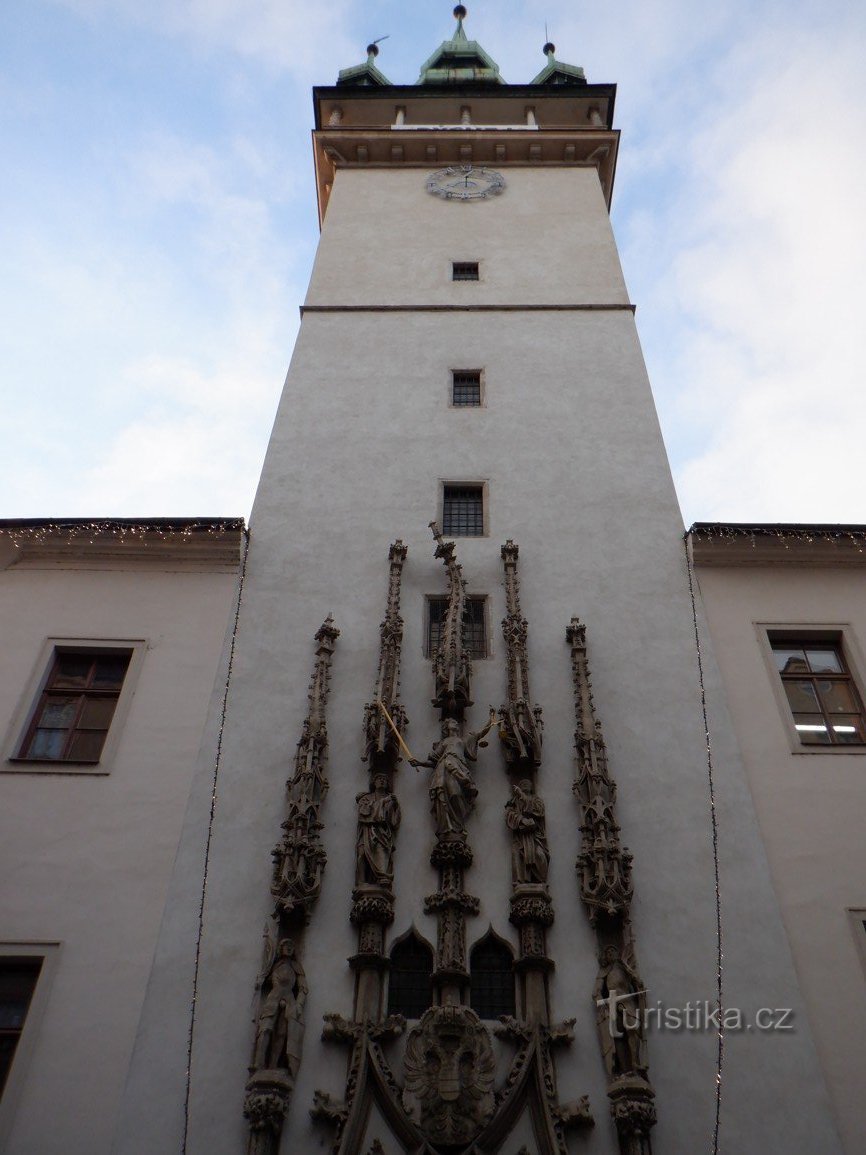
410,986
491,991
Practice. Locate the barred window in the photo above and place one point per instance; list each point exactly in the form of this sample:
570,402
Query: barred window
491,987
824,701
463,510
466,387
464,271
74,712
410,978
474,625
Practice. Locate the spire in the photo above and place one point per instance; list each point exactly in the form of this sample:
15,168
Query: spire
365,75
459,60
556,73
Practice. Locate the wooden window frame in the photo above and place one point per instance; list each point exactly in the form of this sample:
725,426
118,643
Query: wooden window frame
839,636
47,954
27,713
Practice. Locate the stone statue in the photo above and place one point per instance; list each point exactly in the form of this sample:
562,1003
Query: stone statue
524,815
280,1027
378,820
619,999
452,791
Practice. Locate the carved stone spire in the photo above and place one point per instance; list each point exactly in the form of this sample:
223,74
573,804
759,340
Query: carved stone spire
452,668
604,871
299,860
603,866
520,722
382,746
378,809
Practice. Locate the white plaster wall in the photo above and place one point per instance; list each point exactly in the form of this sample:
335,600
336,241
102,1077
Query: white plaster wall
86,859
810,804
569,445
546,240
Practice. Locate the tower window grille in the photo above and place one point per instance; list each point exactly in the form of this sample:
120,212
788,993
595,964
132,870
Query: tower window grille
410,983
463,510
466,387
491,990
464,271
474,625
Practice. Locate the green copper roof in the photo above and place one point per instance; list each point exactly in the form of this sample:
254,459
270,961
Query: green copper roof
458,60
366,74
556,73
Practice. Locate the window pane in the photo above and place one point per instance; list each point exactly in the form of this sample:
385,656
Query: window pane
790,659
58,713
837,698
72,670
110,671
86,746
848,729
812,729
97,713
801,696
47,744
824,661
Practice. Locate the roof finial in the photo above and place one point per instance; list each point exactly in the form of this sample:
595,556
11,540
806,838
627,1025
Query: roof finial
373,49
549,49
460,14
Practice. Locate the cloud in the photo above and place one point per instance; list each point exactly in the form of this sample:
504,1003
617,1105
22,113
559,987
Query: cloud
752,330
280,33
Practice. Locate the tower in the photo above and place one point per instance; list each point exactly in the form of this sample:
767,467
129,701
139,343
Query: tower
467,436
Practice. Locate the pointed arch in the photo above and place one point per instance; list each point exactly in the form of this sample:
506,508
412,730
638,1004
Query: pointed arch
410,976
491,968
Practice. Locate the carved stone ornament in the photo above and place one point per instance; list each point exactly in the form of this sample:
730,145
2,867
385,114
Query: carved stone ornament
603,866
520,722
299,859
380,739
452,668
449,1069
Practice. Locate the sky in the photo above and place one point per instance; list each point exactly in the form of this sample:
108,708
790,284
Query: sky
158,227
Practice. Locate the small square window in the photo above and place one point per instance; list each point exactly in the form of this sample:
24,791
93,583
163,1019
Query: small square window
463,510
464,271
466,387
76,706
474,625
823,699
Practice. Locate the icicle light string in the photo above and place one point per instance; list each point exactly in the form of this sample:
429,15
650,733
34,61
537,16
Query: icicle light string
118,530
213,802
788,535
715,832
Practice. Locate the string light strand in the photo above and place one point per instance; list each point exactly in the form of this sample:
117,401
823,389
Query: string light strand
213,803
714,824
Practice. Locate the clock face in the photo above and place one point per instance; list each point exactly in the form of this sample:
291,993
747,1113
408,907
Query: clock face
465,183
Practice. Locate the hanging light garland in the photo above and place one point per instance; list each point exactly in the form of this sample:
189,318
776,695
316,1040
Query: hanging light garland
714,828
787,535
141,533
